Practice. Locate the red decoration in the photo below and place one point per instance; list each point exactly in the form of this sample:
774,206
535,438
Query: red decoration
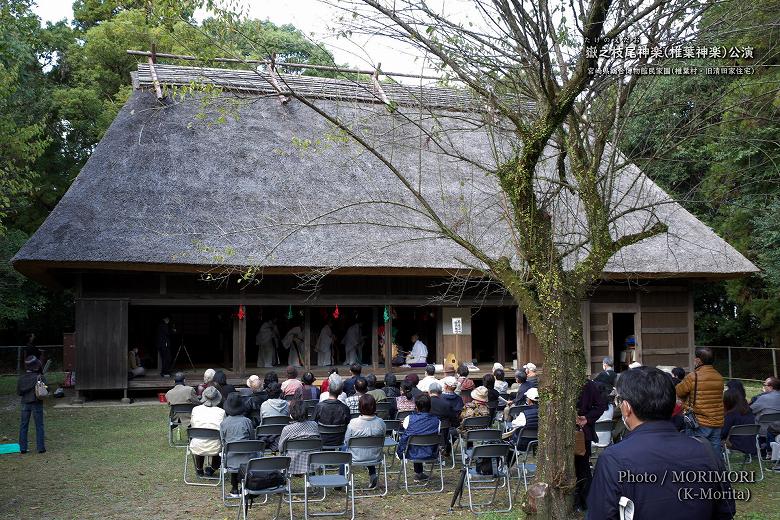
336,313
241,312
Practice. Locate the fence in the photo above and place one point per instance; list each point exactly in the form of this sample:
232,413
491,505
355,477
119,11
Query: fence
751,364
12,358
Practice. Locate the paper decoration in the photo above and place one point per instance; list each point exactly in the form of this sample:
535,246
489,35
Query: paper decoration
386,314
336,313
241,312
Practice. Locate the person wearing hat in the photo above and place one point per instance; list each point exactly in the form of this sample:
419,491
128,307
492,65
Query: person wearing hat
207,415
532,377
236,427
31,405
466,387
528,418
477,407
181,393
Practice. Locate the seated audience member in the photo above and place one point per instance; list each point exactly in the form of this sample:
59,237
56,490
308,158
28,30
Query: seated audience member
134,366
325,382
477,407
532,376
349,385
405,402
419,352
270,377
737,385
353,401
300,427
429,378
528,418
489,382
414,379
373,391
391,386
208,377
310,392
678,374
291,384
766,403
422,422
441,408
737,412
181,393
449,384
207,415
366,425
236,427
466,387
255,401
462,374
520,378
332,411
500,386
221,384
274,406
646,397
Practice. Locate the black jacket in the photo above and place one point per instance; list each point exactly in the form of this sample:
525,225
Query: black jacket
331,412
25,387
443,409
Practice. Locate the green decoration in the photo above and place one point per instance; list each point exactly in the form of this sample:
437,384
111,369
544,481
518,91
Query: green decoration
387,314
290,313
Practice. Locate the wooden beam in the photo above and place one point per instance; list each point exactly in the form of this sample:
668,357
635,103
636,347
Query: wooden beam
638,328
665,330
389,344
307,337
501,338
155,81
521,340
622,308
374,339
378,86
691,329
283,99
664,351
611,338
241,368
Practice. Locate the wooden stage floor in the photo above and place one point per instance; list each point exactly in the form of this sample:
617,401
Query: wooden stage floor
153,381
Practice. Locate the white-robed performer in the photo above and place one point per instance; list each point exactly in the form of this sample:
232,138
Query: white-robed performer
419,353
324,346
353,344
267,340
292,342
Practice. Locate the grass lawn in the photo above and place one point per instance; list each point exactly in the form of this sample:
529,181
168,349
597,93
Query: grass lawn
114,462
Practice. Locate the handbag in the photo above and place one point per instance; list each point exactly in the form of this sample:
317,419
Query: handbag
689,417
258,480
40,389
579,443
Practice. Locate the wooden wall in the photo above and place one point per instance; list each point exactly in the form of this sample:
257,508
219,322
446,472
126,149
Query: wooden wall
667,327
101,344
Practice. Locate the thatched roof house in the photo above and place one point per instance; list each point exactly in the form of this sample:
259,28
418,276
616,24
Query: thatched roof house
232,177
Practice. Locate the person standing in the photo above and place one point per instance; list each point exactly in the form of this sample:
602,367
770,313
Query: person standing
267,340
607,376
324,345
702,391
590,406
164,332
25,388
293,343
353,344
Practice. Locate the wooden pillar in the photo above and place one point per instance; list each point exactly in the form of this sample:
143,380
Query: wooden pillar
307,337
239,346
638,328
522,345
389,344
374,339
440,350
691,330
501,337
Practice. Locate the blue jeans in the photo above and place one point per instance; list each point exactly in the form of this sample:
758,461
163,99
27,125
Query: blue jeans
36,409
711,434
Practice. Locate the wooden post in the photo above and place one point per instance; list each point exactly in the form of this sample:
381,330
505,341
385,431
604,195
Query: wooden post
389,344
440,333
691,335
374,339
501,337
520,335
242,346
611,338
307,337
638,328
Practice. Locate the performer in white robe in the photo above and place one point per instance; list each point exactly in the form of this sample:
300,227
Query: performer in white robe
324,346
293,343
419,353
353,344
267,340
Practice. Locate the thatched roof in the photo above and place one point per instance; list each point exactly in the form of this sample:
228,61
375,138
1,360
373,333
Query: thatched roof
242,179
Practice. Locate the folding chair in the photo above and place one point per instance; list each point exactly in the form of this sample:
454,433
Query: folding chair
383,410
423,441
305,445
744,431
472,423
284,420
604,436
269,433
475,437
233,455
330,459
392,431
280,464
765,420
205,434
447,438
377,442
524,468
178,417
493,409
400,416
332,429
311,404
498,454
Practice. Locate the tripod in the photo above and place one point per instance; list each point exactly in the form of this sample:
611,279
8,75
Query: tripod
182,346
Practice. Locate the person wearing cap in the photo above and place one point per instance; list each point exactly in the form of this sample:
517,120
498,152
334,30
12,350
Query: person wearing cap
291,384
607,376
181,393
31,405
449,384
429,378
466,387
528,418
236,427
478,407
207,415
501,386
532,377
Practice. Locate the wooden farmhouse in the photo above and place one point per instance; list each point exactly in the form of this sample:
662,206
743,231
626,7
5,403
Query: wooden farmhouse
225,206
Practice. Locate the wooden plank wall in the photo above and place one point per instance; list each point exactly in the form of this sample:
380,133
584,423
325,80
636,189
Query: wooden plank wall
101,344
667,327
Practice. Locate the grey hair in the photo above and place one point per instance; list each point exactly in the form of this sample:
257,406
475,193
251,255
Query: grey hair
434,388
254,382
335,384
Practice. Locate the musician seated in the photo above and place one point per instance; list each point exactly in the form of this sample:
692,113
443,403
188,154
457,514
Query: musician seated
419,353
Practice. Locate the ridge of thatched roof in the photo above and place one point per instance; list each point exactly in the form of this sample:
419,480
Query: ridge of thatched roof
275,186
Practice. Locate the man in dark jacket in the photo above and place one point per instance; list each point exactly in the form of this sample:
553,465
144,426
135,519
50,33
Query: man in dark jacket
349,384
449,385
642,467
332,412
590,405
25,388
391,386
607,376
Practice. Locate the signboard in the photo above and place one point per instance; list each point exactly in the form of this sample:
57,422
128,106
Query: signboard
457,325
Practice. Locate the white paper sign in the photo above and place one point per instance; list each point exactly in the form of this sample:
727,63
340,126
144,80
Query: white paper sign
457,325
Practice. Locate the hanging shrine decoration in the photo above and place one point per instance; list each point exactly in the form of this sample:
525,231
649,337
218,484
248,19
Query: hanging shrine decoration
241,314
289,313
336,313
386,314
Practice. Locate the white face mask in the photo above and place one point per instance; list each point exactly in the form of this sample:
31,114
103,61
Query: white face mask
625,423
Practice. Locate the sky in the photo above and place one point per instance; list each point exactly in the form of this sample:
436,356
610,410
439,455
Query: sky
313,17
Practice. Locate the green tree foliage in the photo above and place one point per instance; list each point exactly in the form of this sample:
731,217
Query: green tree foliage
714,141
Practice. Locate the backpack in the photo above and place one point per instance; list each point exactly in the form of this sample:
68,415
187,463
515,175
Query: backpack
40,389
